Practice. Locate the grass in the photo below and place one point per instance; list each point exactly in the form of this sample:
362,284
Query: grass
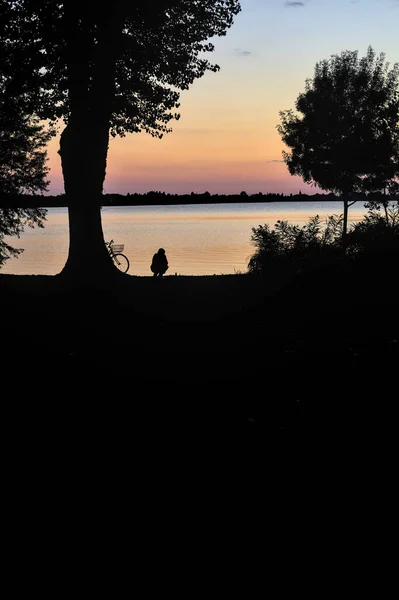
232,352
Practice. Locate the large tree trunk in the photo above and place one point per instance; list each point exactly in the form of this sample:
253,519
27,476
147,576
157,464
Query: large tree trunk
88,259
83,156
84,141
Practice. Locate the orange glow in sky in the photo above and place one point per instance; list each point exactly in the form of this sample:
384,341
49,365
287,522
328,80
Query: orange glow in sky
226,140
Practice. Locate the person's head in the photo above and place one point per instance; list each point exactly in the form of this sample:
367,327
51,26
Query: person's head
161,251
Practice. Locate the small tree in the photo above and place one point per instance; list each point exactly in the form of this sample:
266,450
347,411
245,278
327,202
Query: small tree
346,137
23,169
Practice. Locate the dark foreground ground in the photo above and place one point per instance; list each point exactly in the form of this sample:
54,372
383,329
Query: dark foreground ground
218,366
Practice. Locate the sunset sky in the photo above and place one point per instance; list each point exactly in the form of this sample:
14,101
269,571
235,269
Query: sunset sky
226,139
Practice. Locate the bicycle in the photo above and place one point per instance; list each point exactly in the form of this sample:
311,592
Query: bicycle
115,252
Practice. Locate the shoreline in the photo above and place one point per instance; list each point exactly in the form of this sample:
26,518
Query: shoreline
162,199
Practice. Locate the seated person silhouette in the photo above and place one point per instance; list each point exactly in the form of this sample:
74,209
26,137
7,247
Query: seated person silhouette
159,264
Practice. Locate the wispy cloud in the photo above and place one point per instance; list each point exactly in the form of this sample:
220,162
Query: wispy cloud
274,161
241,52
291,4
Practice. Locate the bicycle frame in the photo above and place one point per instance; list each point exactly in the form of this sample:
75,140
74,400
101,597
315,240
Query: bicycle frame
109,247
124,265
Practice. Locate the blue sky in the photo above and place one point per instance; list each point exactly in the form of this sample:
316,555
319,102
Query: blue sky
226,139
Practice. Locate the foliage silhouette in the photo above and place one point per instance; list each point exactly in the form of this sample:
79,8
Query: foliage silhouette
12,223
377,234
346,137
289,249
107,68
23,169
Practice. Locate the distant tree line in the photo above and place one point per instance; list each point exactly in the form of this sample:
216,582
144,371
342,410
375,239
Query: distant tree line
155,198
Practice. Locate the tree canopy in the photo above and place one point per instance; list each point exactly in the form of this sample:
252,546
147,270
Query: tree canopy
344,135
23,155
128,58
23,169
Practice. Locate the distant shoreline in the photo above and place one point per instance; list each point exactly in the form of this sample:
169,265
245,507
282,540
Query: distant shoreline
163,199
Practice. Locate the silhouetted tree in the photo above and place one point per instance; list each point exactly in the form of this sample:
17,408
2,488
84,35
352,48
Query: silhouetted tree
345,138
23,169
105,68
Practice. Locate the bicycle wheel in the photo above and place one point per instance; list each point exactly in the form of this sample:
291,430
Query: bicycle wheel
121,261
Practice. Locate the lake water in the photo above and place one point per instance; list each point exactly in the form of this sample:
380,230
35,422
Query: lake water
211,239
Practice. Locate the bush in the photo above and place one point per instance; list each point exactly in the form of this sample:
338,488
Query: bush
377,233
289,249
294,249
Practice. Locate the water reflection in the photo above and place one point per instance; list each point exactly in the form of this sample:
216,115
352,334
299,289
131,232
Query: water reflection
199,239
